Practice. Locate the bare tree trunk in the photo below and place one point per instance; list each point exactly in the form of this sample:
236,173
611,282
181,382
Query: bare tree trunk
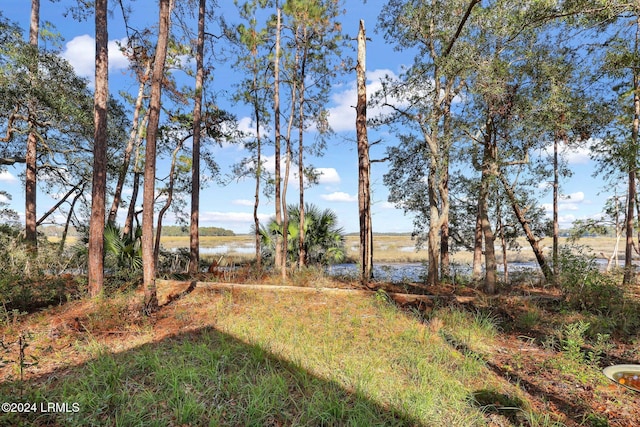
629,268
364,163
488,164
503,241
556,183
167,204
126,160
148,264
276,106
31,173
301,249
256,220
287,170
285,217
98,191
433,238
531,238
285,185
477,246
58,204
445,260
131,212
489,246
67,223
194,236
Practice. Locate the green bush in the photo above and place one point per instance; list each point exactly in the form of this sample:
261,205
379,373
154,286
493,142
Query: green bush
585,287
28,280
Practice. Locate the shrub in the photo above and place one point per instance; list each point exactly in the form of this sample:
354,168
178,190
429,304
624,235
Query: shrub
585,287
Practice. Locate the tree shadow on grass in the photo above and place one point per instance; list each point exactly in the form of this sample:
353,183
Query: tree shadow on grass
510,406
204,377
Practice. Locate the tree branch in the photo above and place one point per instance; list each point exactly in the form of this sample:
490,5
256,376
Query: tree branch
12,160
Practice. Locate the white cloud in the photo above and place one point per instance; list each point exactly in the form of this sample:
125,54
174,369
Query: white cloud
242,202
247,126
577,197
81,51
573,155
342,116
7,177
386,205
231,217
3,198
568,207
567,202
339,196
328,176
578,156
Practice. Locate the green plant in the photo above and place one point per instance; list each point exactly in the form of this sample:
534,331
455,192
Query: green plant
574,340
122,251
601,346
323,239
584,286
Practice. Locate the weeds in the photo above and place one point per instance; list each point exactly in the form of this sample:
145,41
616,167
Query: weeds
579,357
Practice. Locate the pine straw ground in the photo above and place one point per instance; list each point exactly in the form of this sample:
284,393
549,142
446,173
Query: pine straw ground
497,361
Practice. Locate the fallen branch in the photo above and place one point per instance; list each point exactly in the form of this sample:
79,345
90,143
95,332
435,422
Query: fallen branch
398,297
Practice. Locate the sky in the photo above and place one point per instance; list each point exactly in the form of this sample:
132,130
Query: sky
230,206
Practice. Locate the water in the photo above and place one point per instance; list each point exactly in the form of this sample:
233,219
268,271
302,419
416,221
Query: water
224,249
416,272
405,272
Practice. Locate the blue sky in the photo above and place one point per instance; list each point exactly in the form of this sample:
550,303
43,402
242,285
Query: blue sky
231,206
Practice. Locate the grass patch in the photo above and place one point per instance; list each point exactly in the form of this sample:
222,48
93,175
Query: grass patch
245,358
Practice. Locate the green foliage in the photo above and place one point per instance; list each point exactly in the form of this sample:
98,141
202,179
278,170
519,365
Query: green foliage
574,340
28,281
584,286
323,239
580,357
123,252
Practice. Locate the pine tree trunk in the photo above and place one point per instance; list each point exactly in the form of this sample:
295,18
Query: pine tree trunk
364,164
98,192
31,173
167,204
194,236
556,230
126,160
629,268
148,265
256,204
276,106
301,249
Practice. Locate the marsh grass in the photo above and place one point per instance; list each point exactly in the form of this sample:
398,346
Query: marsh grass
389,248
249,358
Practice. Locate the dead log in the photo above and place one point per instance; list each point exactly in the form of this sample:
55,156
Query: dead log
400,298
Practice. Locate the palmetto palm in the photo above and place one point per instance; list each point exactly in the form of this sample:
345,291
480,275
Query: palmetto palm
323,239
